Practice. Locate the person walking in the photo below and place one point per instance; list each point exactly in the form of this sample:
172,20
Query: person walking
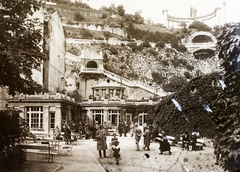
120,129
125,128
131,129
147,138
101,142
216,146
138,135
164,144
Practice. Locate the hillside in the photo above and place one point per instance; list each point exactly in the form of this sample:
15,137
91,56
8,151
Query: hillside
166,68
154,64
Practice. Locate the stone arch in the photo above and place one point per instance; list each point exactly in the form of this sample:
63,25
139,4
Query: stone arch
91,64
203,53
202,37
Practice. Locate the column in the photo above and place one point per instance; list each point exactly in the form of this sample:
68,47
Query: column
105,115
89,115
68,112
107,92
120,94
58,116
46,121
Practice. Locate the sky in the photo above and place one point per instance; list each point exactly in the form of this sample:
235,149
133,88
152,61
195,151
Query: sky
152,9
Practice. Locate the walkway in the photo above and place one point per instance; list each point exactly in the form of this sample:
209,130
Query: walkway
85,158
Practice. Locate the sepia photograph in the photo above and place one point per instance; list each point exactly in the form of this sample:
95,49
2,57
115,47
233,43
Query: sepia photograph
119,86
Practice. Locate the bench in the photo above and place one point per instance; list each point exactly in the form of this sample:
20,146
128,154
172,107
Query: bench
171,139
199,143
44,149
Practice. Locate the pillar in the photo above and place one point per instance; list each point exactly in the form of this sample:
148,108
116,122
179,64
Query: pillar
58,116
68,112
105,115
89,115
46,121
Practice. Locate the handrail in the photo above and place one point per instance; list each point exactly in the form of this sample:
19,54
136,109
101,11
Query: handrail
131,83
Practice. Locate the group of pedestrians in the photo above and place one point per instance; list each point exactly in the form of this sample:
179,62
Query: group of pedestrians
189,142
147,138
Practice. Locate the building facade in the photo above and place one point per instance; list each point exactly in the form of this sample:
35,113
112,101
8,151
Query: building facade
46,111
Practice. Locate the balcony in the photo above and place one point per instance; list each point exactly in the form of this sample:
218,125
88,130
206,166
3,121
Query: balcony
91,70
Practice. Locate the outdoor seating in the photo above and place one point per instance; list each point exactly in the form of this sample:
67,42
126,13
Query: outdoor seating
67,149
44,149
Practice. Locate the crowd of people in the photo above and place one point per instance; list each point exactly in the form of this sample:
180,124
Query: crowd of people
134,130
99,134
71,127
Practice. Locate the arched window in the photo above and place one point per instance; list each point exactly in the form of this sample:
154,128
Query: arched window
91,64
202,39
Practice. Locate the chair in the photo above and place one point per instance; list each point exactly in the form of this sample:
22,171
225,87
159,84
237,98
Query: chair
67,149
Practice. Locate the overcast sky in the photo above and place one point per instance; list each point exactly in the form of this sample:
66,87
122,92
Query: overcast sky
180,8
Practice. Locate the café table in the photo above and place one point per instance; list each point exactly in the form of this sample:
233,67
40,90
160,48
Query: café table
53,142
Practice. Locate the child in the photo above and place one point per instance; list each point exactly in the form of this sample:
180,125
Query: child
114,138
116,151
115,147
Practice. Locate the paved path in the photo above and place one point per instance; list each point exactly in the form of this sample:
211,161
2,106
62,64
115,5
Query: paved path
84,158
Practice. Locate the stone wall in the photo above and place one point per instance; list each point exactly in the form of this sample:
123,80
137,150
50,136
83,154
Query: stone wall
97,27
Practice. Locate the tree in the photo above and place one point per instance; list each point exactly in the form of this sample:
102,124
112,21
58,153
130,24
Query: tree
175,84
20,46
192,98
120,10
199,26
137,18
228,102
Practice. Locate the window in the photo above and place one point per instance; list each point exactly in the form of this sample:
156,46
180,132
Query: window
98,116
52,120
129,117
142,118
35,117
114,117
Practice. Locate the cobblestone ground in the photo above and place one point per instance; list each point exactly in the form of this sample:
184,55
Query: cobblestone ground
84,158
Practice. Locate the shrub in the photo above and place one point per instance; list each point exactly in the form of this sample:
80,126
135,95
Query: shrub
78,16
113,50
189,67
86,33
160,45
104,15
187,75
182,48
12,128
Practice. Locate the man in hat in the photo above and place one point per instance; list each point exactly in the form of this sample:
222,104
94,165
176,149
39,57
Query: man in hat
101,142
